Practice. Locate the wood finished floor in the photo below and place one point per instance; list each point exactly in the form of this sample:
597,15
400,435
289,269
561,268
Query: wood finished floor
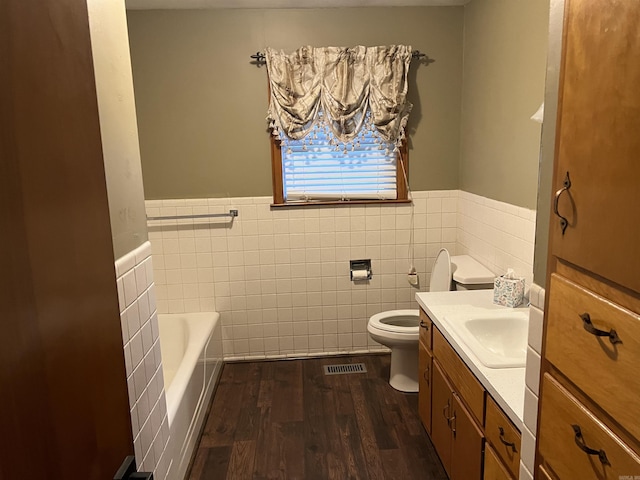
287,420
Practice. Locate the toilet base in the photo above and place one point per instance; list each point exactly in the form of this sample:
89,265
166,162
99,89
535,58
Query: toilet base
404,369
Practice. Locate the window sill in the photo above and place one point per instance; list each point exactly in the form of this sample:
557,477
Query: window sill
338,203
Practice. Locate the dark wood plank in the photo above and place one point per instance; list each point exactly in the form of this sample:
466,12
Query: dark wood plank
216,464
351,443
315,435
287,392
286,419
367,433
223,420
241,461
378,415
249,420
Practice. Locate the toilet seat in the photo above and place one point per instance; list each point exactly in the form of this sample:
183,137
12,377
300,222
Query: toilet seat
382,321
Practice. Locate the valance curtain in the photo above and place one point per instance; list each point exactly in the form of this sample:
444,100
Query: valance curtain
340,89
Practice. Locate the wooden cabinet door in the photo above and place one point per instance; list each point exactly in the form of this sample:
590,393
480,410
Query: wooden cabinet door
424,386
466,450
598,142
493,467
441,396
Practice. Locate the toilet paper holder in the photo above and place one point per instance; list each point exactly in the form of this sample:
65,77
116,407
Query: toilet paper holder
360,266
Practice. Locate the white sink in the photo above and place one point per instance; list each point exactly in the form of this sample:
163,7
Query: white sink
498,339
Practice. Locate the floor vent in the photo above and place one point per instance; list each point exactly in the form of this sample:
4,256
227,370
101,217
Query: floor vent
344,369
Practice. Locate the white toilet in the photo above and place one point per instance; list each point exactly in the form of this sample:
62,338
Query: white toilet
399,329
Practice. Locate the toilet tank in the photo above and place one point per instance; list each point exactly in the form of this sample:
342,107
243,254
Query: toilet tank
469,274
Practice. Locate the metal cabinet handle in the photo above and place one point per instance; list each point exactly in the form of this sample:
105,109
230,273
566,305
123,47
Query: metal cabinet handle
588,326
452,424
566,185
589,451
425,375
508,444
424,325
446,409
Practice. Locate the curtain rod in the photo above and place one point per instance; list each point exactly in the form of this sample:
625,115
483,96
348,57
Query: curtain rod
259,59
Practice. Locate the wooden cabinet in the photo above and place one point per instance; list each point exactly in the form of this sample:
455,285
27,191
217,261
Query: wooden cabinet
467,443
456,436
575,444
441,417
504,436
451,403
463,381
588,426
597,140
425,362
493,468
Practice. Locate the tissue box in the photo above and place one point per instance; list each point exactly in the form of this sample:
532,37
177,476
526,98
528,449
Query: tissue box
508,291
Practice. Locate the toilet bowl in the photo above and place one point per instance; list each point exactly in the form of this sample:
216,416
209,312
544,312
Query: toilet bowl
399,329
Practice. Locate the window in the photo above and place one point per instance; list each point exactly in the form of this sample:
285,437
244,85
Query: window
338,118
319,169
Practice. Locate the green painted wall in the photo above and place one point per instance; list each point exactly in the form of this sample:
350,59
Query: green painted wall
202,106
505,51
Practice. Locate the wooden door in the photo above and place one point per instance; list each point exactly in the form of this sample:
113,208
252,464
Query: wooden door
467,444
598,141
424,385
441,392
64,409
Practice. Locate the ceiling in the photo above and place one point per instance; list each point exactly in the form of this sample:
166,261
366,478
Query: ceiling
189,4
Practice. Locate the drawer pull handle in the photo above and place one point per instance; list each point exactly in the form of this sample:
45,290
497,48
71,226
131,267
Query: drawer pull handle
566,185
424,325
425,374
589,451
446,409
508,444
588,326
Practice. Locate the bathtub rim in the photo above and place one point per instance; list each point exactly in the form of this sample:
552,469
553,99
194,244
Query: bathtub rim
205,322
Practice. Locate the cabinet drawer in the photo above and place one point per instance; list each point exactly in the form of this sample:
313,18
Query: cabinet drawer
426,327
542,474
493,468
559,444
502,434
605,371
464,382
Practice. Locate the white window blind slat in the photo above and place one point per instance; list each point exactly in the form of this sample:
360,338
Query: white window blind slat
313,169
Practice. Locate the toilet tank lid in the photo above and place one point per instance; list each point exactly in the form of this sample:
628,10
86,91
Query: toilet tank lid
468,271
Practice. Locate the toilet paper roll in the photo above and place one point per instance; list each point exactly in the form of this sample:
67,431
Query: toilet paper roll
359,275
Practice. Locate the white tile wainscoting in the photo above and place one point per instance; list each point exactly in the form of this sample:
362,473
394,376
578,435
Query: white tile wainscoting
143,360
531,393
498,234
280,277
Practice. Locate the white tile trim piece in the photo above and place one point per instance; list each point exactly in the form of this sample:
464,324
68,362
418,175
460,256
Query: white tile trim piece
536,317
528,449
532,371
530,410
524,473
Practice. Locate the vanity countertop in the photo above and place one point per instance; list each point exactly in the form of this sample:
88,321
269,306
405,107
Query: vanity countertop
505,385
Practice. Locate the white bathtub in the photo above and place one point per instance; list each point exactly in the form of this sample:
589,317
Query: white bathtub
191,345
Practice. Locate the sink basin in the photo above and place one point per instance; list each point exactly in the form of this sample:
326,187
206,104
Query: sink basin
498,339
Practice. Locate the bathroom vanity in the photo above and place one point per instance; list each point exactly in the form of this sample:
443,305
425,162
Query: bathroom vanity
472,412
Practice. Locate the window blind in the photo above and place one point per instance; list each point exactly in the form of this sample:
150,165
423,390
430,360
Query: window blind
317,168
